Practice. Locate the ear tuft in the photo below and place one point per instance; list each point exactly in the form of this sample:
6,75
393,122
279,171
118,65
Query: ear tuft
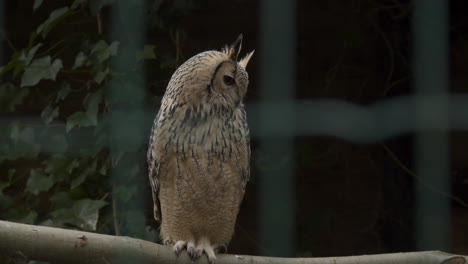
234,49
244,61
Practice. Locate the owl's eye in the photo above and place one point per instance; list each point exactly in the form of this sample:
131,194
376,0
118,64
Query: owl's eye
228,80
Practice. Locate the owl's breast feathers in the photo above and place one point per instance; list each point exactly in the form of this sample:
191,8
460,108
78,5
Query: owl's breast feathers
195,138
211,128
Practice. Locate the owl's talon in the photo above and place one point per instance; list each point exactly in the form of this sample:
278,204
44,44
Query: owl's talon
192,253
222,249
179,246
210,254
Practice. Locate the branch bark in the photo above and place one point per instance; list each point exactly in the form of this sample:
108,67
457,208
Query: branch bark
58,245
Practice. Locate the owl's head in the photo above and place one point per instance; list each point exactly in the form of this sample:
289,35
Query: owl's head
212,78
230,76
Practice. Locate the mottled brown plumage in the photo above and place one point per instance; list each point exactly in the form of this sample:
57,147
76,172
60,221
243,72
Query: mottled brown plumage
199,152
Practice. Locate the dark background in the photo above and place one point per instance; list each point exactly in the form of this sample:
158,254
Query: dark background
351,198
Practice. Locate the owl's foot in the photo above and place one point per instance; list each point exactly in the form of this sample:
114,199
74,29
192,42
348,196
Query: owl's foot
222,249
179,246
196,250
192,252
210,254
205,246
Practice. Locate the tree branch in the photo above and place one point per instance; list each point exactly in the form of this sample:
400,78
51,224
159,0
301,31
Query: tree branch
58,245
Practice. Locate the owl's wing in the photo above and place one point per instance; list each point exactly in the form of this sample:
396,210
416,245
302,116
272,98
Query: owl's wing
246,170
245,153
153,172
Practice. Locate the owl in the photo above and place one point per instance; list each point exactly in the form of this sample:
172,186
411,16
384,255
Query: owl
199,152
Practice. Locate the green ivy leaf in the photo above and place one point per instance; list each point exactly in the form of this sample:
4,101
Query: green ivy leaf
21,213
11,173
32,38
5,202
147,53
91,104
72,165
14,62
100,50
61,199
37,4
55,16
20,150
15,131
6,184
58,143
27,56
63,92
11,96
87,211
19,133
103,51
38,182
79,60
60,167
17,99
125,193
27,135
40,69
168,61
83,214
49,114
76,3
78,181
96,5
20,59
77,119
88,118
29,218
116,157
3,186
88,170
63,216
113,48
104,168
101,75
22,143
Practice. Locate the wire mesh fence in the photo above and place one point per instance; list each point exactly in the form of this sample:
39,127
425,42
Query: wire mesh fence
430,114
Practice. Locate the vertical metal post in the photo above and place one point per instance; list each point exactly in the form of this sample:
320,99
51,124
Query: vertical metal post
430,60
127,97
2,26
277,87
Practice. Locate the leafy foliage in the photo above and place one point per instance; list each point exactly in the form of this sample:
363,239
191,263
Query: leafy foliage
55,17
40,69
58,164
38,182
10,96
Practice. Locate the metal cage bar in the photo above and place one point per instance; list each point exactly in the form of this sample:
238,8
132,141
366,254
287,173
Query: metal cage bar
277,85
127,117
277,53
431,149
